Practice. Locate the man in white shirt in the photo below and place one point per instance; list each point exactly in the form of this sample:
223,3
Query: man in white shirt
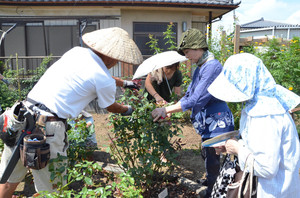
69,85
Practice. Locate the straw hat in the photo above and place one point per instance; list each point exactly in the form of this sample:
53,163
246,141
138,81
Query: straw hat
115,43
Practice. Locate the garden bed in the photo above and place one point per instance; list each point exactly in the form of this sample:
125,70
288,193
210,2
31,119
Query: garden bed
191,165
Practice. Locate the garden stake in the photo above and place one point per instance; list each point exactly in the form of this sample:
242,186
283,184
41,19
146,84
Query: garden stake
116,147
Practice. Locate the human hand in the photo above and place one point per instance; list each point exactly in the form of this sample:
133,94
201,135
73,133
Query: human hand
88,124
130,85
220,149
232,146
159,113
160,101
128,112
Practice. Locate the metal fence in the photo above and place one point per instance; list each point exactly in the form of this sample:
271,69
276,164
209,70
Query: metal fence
27,65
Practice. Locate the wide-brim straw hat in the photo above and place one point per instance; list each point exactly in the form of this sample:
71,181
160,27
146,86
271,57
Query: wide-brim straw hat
115,43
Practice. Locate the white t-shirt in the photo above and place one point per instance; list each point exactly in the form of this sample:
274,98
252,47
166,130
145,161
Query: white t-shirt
72,82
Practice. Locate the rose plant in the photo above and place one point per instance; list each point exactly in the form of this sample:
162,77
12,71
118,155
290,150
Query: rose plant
143,148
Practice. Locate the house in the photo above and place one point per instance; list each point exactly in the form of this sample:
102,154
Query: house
38,28
264,28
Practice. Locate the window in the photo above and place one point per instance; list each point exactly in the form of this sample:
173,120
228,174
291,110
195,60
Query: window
141,31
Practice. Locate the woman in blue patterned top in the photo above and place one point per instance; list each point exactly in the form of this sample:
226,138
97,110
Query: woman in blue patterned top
210,116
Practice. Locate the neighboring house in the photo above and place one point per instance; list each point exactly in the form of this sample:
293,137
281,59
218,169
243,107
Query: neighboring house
44,27
262,28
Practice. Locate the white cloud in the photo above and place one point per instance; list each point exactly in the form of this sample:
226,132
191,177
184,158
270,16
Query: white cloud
286,11
294,18
269,9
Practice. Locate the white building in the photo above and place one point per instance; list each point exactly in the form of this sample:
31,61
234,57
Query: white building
262,28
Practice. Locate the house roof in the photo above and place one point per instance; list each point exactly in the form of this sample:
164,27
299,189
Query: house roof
261,23
211,9
160,3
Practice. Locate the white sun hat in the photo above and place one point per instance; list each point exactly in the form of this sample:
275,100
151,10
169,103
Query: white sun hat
158,61
232,85
115,43
245,78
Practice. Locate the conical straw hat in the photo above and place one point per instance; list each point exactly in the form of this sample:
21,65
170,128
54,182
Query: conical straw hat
115,43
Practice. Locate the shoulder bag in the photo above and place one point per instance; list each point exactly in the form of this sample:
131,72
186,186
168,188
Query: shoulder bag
246,185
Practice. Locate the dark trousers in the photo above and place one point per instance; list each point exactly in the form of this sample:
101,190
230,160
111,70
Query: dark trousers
212,166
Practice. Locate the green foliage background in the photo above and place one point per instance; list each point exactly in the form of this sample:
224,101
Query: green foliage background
18,88
281,59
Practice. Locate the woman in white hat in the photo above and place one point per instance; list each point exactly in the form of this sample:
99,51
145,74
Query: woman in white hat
161,82
267,129
68,86
210,116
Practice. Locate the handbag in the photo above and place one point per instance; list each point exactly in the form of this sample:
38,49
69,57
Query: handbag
244,186
227,175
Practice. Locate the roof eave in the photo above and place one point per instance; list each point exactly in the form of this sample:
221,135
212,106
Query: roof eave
128,3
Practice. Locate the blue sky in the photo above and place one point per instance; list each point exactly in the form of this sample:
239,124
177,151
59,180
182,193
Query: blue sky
286,11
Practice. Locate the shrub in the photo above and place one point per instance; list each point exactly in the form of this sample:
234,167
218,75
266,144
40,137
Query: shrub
77,136
139,144
283,61
83,181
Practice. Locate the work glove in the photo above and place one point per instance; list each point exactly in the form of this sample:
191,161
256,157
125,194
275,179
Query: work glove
5,81
130,84
159,113
128,112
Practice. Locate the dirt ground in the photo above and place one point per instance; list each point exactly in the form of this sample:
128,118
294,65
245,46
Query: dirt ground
190,160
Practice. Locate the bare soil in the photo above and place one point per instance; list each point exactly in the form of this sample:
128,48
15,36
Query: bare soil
191,164
190,160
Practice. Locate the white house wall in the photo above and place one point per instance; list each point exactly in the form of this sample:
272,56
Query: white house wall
277,33
109,23
58,11
62,35
130,16
16,38
256,33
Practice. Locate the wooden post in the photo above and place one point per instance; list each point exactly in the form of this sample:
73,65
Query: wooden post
236,40
210,24
223,42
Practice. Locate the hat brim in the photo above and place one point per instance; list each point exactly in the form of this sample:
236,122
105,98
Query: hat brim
180,51
222,89
115,43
